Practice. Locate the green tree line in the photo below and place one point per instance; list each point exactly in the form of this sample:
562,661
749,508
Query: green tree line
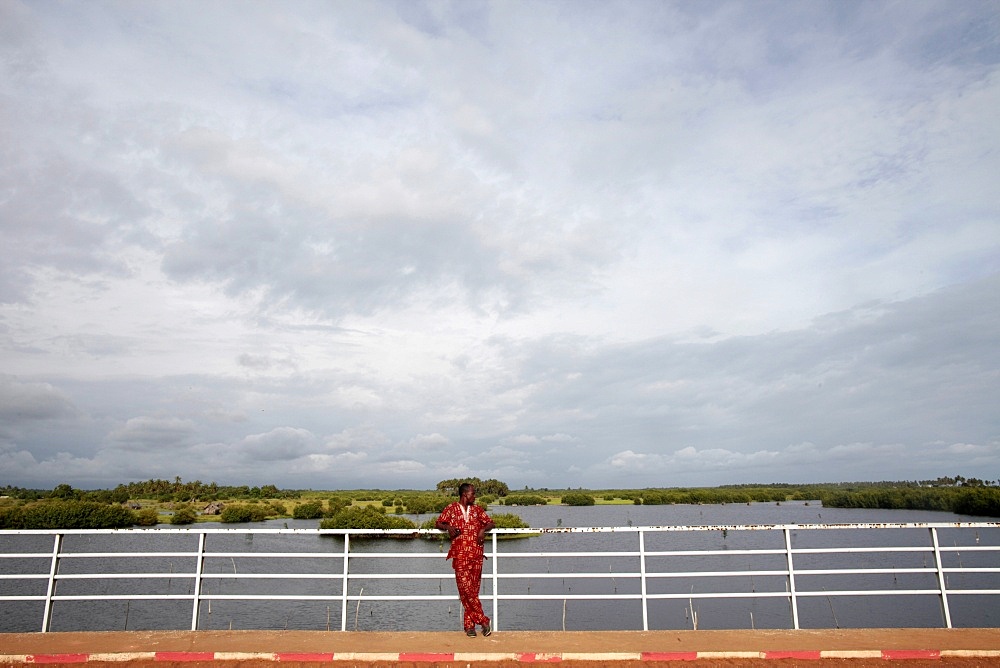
159,490
492,487
65,507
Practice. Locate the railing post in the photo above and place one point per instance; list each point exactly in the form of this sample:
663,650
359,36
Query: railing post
51,590
495,580
791,578
942,582
642,579
343,590
198,565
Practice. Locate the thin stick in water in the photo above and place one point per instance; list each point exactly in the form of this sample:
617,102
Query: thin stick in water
358,608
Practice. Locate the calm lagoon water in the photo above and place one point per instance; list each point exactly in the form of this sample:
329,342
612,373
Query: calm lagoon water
571,614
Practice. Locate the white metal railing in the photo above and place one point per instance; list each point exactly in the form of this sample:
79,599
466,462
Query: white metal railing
647,566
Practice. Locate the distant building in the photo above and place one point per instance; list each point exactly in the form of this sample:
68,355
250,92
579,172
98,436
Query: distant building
213,508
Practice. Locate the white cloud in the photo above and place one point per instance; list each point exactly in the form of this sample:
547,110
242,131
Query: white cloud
522,439
319,463
356,439
20,401
802,463
426,443
153,432
393,244
281,444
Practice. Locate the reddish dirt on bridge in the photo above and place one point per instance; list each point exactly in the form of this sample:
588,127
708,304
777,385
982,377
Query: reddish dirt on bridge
569,648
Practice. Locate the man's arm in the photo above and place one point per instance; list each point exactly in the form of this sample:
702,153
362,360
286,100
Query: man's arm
442,525
488,526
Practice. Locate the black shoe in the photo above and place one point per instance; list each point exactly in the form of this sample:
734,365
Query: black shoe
471,632
487,629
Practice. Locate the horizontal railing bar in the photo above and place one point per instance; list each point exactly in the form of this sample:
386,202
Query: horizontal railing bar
330,576
871,592
648,553
38,597
785,594
435,555
25,555
191,555
631,529
721,574
555,597
122,597
505,555
970,569
743,594
970,548
995,592
720,553
235,597
273,555
700,553
552,576
122,576
252,576
562,597
248,555
767,573
628,575
782,594
548,555
330,597
123,555
401,555
632,597
862,571
622,575
204,597
852,550
507,597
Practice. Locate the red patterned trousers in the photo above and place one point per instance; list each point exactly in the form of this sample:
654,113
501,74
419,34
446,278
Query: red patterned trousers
468,575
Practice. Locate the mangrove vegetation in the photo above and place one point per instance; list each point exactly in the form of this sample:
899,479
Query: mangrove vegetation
153,502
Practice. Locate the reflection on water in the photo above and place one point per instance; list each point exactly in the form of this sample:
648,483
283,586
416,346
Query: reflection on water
258,555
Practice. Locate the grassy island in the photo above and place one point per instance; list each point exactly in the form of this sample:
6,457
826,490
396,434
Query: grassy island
162,502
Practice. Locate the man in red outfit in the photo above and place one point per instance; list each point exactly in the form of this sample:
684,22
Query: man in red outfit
467,524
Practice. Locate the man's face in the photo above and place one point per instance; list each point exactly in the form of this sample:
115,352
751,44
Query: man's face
469,496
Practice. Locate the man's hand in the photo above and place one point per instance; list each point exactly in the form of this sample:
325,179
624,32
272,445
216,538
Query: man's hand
482,532
444,526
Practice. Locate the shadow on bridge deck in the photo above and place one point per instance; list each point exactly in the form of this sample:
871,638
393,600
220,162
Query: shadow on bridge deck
968,647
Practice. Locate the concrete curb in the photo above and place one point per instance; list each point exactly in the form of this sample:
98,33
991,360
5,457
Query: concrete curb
474,657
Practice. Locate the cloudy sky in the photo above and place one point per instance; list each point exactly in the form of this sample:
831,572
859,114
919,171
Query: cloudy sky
563,244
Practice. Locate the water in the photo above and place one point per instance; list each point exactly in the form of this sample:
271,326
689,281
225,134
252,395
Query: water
572,614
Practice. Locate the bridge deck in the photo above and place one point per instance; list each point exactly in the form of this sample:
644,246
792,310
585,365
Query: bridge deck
261,648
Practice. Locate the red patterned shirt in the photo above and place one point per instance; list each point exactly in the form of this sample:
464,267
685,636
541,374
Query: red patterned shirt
469,520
